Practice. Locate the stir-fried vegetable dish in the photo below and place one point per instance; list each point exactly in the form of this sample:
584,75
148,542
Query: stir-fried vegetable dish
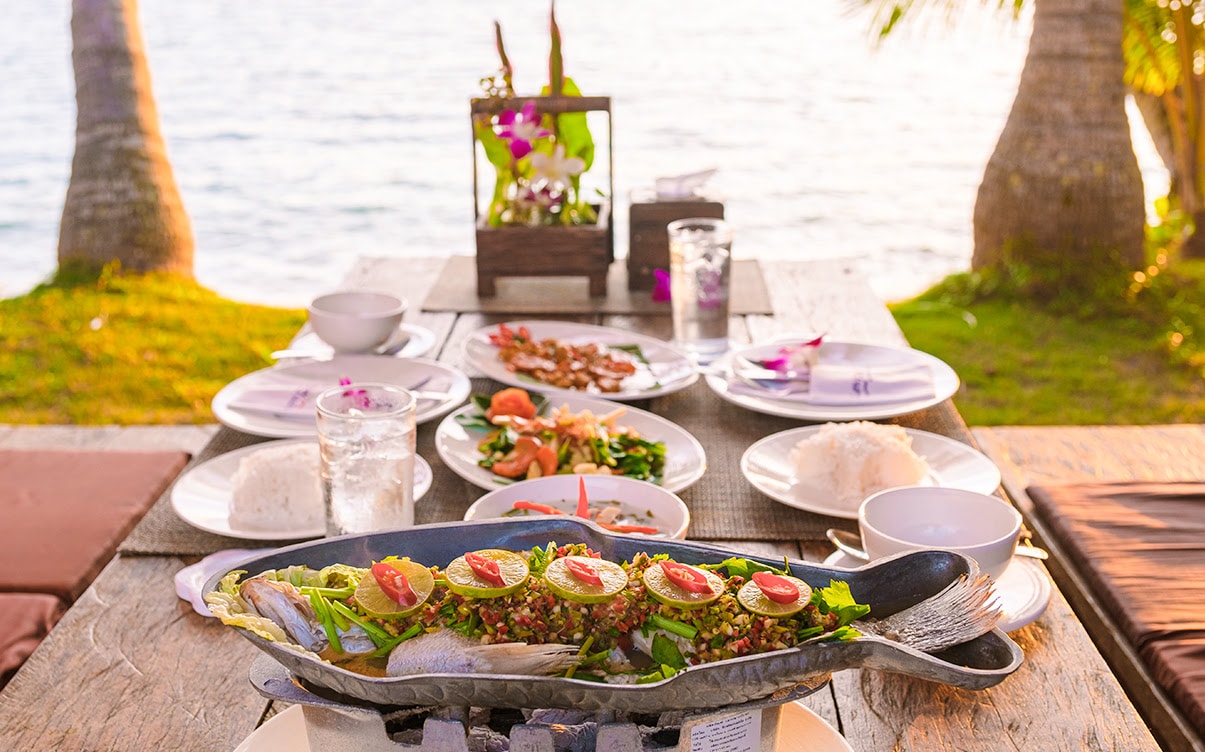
523,440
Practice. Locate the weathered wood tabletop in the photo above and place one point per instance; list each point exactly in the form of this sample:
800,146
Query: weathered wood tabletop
132,667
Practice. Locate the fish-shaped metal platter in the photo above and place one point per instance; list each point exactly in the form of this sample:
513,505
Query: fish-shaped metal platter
888,586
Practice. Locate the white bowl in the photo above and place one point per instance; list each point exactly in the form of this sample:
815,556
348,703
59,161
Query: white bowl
910,518
356,320
647,503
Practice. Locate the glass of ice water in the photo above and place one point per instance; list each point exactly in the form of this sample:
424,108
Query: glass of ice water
700,260
366,436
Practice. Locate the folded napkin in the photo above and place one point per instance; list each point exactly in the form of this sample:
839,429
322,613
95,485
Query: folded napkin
848,384
293,403
841,384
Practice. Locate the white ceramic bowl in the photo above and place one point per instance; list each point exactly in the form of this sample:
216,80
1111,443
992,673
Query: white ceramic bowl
642,502
356,320
909,518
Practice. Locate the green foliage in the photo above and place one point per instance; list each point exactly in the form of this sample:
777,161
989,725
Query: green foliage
110,349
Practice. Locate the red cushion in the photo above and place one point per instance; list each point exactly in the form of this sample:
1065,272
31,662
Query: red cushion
1136,543
65,512
25,618
1178,665
1141,548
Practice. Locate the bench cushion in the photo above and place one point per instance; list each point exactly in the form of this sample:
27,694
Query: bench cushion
1178,664
1140,546
65,512
25,618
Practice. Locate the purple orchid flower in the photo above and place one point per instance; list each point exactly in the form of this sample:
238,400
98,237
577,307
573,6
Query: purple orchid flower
359,397
794,357
520,129
660,286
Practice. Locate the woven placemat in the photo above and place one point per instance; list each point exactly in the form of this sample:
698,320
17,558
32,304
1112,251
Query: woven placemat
723,504
456,290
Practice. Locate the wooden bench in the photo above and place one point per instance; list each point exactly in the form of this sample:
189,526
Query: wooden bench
1122,510
65,512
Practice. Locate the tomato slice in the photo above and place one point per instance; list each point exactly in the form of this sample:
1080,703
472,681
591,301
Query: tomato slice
516,462
535,506
778,589
394,584
583,502
584,571
511,401
547,460
686,577
485,568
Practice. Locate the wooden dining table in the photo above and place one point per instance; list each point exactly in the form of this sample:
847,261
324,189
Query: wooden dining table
131,666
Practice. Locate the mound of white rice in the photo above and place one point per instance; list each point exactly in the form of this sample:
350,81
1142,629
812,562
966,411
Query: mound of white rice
850,461
278,488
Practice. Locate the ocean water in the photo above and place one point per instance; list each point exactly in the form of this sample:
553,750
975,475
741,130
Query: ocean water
304,134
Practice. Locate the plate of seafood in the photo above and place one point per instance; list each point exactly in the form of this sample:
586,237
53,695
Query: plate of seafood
819,379
562,358
515,434
613,502
278,402
558,613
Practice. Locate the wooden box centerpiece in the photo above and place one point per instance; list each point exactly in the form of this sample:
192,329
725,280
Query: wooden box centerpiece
648,239
536,225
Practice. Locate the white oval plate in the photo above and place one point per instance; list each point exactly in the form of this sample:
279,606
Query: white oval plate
318,375
685,460
201,496
420,343
732,389
798,729
667,370
767,465
1023,590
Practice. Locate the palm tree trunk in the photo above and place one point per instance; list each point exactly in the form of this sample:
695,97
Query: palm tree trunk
122,201
1062,194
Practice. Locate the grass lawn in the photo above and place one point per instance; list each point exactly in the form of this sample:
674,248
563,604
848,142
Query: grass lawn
1141,361
129,350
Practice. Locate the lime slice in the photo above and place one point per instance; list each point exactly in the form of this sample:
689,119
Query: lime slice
660,587
462,580
373,600
564,583
752,598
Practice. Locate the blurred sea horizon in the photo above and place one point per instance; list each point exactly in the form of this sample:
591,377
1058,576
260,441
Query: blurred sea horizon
305,134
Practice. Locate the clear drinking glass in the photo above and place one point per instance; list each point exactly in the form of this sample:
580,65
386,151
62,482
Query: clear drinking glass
700,256
366,435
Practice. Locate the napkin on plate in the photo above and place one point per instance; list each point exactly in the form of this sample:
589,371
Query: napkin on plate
849,384
842,384
292,403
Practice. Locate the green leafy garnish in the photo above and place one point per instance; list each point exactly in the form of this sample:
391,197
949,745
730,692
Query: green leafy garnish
666,652
837,599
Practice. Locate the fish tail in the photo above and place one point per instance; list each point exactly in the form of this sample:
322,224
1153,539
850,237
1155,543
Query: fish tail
964,610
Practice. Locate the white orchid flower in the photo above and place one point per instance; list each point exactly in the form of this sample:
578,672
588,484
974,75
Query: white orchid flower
556,168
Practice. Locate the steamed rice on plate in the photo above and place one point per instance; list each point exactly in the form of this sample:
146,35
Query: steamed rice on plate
850,461
278,487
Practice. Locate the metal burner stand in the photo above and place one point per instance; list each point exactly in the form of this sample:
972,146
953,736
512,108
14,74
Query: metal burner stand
335,725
